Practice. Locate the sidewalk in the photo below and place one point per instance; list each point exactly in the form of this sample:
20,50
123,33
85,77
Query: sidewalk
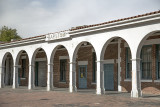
60,97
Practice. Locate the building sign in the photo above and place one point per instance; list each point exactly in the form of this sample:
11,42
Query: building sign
56,36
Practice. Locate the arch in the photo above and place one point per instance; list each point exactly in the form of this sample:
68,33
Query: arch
84,64
59,62
77,48
7,70
54,51
34,55
115,52
106,44
5,56
149,42
142,42
23,70
39,68
18,56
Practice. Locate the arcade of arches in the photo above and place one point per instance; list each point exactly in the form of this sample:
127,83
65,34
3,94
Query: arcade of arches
87,60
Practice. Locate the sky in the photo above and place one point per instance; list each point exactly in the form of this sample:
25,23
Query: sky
39,17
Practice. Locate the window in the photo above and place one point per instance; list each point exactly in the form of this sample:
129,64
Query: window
63,70
94,67
158,62
23,68
146,63
128,63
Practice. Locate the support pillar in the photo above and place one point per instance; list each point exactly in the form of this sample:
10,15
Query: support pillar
136,81
119,66
15,77
50,77
31,77
72,77
100,79
2,76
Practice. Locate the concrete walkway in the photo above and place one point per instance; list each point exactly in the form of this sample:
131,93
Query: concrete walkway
60,97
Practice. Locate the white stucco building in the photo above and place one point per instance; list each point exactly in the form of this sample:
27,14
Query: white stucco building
120,55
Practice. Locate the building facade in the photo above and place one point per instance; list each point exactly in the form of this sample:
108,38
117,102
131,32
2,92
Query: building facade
121,55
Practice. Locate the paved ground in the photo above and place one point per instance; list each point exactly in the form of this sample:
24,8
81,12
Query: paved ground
62,98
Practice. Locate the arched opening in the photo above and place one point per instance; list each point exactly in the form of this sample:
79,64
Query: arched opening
39,61
85,59
60,59
149,53
8,69
22,61
117,65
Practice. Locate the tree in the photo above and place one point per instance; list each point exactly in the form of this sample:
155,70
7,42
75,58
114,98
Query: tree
6,34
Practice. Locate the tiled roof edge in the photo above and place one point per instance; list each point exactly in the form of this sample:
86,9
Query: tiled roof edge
118,20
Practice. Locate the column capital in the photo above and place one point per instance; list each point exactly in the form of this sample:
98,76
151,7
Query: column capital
16,65
31,65
50,64
72,62
100,61
137,59
2,66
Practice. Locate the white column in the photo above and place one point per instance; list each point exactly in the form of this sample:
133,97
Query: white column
72,77
119,66
100,78
136,81
31,77
15,77
50,77
1,76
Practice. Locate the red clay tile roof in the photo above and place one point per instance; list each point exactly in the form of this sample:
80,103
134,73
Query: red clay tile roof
87,26
23,39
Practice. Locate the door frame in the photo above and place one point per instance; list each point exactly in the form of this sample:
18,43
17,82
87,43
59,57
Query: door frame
79,75
36,73
109,61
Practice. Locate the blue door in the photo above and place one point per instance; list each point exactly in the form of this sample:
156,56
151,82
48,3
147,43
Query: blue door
82,76
109,76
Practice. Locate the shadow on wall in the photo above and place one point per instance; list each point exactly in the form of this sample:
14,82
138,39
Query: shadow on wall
151,89
126,87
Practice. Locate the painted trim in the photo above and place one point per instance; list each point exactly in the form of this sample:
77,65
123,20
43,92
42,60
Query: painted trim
82,62
63,57
157,60
23,57
129,22
126,52
22,78
127,49
19,66
126,45
62,82
152,41
127,80
93,67
109,61
157,80
23,41
63,79
143,80
40,59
